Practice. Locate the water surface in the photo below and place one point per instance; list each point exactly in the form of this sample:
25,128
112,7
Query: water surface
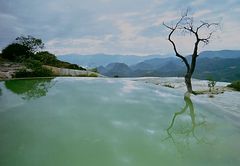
112,122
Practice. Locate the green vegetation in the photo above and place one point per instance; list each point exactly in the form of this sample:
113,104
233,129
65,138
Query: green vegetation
30,89
222,69
92,75
88,75
1,59
211,83
94,70
235,85
35,69
26,50
47,58
33,44
16,52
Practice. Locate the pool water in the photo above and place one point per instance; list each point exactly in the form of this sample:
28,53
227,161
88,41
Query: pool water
111,122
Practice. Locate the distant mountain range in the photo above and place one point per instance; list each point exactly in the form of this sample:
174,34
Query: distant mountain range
91,61
220,54
221,65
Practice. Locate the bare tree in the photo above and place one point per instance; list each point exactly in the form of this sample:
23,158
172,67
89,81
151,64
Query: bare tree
202,32
31,42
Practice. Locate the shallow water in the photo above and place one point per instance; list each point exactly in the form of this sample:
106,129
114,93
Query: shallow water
111,122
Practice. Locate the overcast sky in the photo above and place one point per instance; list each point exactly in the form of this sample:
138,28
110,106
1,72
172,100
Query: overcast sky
115,26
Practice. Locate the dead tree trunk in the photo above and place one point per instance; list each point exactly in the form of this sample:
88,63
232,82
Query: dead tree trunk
185,24
188,82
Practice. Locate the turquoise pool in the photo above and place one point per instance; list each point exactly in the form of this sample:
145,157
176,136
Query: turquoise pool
112,122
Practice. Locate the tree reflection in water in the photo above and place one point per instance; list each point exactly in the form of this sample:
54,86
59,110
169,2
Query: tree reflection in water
184,134
30,88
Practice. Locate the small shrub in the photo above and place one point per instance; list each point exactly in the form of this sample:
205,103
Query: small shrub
74,66
211,96
94,70
23,73
211,83
92,75
1,59
168,85
235,85
35,69
40,72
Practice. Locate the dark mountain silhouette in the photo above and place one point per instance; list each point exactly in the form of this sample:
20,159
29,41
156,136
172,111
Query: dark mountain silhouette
116,70
96,60
222,65
220,54
220,69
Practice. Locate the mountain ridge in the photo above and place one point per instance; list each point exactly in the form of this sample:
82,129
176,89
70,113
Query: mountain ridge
219,69
223,65
96,60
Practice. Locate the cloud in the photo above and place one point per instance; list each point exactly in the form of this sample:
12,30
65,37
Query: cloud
202,13
111,26
168,16
9,34
160,2
197,2
86,45
237,9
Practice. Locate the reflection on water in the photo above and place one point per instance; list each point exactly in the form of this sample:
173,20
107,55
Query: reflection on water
74,125
30,89
185,132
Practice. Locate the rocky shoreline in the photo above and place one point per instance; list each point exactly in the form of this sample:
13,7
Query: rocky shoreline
8,70
71,72
199,86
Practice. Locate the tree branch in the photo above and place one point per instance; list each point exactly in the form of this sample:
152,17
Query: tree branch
207,39
173,44
207,25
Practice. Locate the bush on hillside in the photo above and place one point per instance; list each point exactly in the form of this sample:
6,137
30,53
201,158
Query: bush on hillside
93,75
47,58
94,70
67,65
16,52
36,70
41,72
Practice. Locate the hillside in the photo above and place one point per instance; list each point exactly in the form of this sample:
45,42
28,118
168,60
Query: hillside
222,65
219,68
97,60
116,70
24,58
220,54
